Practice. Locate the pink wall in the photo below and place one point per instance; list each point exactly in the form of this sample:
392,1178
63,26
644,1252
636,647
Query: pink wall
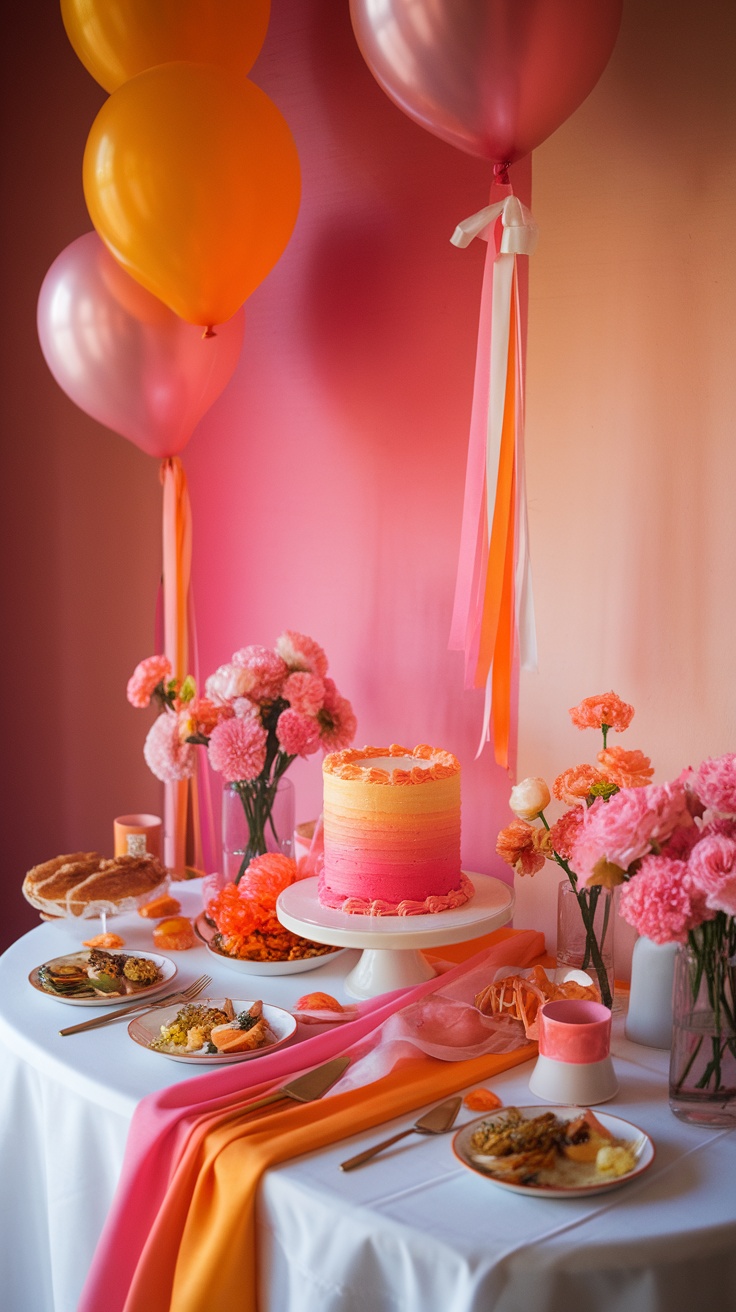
326,483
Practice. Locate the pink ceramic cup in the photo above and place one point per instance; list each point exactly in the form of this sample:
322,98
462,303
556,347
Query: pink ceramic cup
574,1031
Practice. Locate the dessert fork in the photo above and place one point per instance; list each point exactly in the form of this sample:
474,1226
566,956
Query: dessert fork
182,995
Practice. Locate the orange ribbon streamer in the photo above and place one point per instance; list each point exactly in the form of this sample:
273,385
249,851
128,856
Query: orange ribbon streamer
177,566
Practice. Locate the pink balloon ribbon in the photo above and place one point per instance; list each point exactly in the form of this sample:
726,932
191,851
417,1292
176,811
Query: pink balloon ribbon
493,613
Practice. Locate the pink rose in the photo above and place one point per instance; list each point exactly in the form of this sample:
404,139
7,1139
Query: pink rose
624,829
713,871
170,759
146,676
715,783
237,749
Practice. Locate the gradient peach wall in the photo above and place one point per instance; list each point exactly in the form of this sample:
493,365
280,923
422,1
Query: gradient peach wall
327,482
630,432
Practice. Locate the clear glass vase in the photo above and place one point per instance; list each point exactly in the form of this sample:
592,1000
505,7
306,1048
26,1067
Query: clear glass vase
703,1055
257,817
585,927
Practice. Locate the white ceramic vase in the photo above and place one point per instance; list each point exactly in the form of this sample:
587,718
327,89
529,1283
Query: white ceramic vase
649,1018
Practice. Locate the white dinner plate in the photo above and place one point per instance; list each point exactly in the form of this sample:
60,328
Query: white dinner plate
167,971
144,1029
206,932
620,1129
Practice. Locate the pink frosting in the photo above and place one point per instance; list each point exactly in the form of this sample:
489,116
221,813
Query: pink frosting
378,907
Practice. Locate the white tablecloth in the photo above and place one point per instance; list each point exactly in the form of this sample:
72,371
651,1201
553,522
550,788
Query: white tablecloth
413,1231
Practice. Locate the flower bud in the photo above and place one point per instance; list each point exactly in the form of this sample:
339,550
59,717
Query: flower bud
529,798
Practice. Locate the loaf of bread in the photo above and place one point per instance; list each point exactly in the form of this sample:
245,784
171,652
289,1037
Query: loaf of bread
86,884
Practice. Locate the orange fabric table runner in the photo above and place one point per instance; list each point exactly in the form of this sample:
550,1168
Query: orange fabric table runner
201,1250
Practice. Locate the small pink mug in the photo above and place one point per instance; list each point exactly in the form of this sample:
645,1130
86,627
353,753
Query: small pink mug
138,835
574,1031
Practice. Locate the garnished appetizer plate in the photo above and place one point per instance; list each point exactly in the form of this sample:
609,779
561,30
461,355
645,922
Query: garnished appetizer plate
628,1152
167,1029
67,978
205,931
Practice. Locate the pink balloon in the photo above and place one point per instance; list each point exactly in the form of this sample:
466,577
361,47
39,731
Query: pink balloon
494,77
123,356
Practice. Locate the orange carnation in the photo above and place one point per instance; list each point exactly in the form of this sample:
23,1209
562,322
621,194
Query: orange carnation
627,769
518,846
573,785
607,708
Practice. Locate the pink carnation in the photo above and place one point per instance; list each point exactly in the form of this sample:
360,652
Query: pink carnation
662,901
237,749
265,669
298,734
566,830
715,783
166,755
625,828
336,719
304,692
302,653
227,683
145,678
713,871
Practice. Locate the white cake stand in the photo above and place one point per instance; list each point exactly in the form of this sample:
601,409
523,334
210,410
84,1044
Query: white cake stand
391,958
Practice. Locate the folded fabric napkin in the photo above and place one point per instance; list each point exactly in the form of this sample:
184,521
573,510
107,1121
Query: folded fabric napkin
181,1234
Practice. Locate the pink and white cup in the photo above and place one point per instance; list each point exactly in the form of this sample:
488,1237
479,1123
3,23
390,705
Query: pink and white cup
574,1063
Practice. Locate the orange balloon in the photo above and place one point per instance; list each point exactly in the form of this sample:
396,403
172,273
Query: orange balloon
191,178
117,39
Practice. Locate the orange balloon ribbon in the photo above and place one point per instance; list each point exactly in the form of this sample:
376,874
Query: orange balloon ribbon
180,821
493,615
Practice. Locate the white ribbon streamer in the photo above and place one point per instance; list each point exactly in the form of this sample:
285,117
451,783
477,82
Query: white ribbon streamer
519,237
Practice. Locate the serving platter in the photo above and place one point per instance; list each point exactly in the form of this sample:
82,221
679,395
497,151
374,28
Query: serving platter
621,1130
143,1030
205,931
166,969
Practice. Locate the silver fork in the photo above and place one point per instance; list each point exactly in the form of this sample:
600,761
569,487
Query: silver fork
182,995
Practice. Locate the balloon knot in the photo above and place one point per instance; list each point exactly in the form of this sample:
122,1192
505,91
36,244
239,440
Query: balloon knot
209,332
501,173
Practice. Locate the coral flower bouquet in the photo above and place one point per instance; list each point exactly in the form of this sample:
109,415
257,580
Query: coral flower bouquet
582,789
258,713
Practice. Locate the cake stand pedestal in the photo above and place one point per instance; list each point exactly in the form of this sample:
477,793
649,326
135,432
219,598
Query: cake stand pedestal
392,958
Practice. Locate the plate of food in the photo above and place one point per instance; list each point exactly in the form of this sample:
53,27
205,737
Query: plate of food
213,1032
554,1152
273,952
93,977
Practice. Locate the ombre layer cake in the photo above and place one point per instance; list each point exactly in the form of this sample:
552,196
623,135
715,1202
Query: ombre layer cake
392,832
